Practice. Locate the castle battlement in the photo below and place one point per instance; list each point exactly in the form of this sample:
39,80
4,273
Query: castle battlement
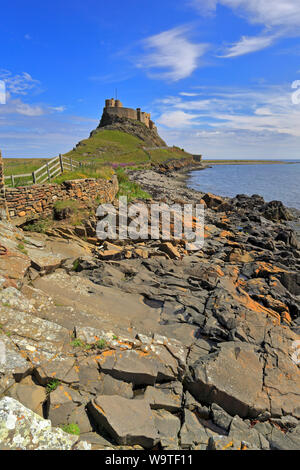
115,108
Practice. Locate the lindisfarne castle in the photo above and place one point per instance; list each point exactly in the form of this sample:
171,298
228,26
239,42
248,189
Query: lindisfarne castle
115,108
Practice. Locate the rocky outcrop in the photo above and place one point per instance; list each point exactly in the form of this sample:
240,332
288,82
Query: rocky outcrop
163,348
148,137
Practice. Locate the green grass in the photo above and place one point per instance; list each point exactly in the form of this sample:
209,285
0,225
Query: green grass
39,226
71,428
101,344
161,155
102,151
113,146
129,188
22,249
19,166
52,385
77,343
15,166
110,146
67,204
86,171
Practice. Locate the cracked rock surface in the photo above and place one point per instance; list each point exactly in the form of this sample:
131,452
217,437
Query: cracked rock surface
150,346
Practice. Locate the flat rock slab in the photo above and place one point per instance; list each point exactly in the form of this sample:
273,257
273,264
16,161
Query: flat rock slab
45,261
62,369
128,422
233,378
11,360
21,429
168,427
166,396
138,367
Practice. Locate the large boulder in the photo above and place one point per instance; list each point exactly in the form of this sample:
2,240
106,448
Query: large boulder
232,377
128,422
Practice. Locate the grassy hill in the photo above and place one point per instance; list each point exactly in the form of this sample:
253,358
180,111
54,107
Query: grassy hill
117,147
107,148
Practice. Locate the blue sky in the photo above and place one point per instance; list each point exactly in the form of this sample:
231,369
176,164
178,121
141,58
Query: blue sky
220,77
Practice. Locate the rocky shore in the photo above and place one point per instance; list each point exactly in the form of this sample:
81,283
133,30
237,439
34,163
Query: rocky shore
143,345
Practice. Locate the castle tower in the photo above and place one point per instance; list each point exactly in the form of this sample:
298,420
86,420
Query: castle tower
118,104
110,103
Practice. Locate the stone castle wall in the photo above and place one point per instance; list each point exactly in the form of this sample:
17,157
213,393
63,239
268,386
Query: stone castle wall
30,201
115,108
122,112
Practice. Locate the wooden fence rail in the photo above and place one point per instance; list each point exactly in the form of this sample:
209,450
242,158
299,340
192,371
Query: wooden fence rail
50,170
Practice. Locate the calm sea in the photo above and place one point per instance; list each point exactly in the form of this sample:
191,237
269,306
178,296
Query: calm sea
273,182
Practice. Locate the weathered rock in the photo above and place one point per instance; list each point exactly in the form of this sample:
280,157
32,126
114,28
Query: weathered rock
192,432
168,427
138,367
62,369
233,378
220,417
28,394
240,431
165,396
21,429
170,250
212,201
129,422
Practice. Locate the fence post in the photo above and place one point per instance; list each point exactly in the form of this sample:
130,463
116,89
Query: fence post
12,180
71,164
33,177
48,171
61,163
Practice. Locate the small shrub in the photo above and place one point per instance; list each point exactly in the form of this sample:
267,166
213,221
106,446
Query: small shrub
77,343
39,226
52,385
75,265
101,344
71,428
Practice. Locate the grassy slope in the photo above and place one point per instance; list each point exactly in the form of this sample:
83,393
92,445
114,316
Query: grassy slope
16,166
114,146
104,147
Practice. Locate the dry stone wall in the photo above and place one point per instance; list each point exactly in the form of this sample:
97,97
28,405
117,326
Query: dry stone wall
3,208
29,201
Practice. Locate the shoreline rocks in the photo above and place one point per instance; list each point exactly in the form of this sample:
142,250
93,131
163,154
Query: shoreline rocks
176,349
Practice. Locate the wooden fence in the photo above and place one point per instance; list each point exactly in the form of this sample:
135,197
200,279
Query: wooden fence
50,170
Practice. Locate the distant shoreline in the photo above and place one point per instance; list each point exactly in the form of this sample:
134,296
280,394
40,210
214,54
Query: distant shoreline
247,162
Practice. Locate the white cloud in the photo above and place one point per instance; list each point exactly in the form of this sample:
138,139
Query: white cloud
28,110
234,122
58,109
184,93
177,119
173,55
19,84
271,13
279,18
249,44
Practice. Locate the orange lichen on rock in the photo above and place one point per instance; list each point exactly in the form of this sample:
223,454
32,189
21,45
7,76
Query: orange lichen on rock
266,268
251,304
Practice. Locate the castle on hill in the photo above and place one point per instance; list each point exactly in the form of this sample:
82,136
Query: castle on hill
115,108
